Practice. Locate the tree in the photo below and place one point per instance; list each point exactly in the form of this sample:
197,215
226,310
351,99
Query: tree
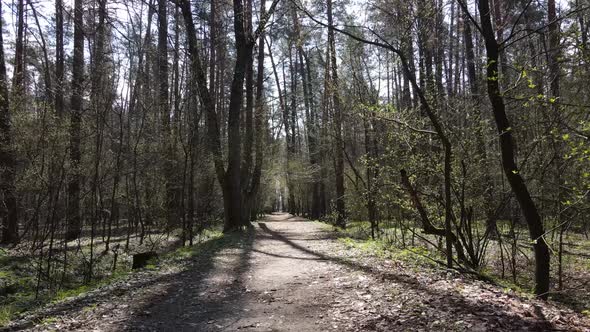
7,157
164,111
74,217
250,211
338,141
19,54
59,58
229,178
511,170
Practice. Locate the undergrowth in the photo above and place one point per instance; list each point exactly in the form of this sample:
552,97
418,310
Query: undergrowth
19,273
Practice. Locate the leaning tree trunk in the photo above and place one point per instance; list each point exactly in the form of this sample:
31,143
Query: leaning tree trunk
511,170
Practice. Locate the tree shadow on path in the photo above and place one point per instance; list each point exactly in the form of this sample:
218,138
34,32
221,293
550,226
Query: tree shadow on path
456,305
182,287
210,293
205,296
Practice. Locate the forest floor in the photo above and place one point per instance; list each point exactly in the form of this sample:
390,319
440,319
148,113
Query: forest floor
291,274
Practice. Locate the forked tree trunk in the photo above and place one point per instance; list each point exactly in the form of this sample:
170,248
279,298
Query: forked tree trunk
229,179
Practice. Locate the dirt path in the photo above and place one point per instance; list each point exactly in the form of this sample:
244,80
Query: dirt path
266,284
290,274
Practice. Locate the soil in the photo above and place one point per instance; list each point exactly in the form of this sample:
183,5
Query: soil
291,274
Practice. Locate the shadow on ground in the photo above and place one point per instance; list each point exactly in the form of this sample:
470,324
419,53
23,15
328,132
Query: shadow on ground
208,293
187,305
204,253
212,294
456,303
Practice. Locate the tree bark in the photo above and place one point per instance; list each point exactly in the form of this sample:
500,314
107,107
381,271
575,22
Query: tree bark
59,58
338,140
7,156
259,126
517,183
74,218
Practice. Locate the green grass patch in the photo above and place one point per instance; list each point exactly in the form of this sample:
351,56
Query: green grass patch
7,312
73,292
49,320
89,308
25,299
372,247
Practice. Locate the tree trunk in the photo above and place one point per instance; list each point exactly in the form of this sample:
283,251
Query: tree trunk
7,157
511,170
59,58
558,145
469,56
309,114
19,53
259,125
247,158
339,142
74,218
99,102
314,133
171,196
232,182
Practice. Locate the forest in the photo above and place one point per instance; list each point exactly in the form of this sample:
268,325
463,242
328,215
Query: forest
400,153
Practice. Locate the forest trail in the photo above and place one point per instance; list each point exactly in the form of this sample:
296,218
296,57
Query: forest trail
268,283
291,274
